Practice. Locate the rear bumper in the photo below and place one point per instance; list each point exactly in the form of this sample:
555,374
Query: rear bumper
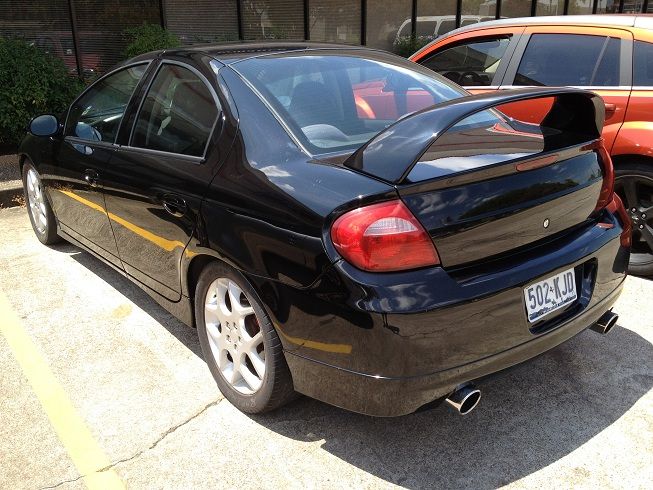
388,397
386,344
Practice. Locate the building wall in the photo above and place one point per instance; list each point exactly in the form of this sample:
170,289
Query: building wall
88,34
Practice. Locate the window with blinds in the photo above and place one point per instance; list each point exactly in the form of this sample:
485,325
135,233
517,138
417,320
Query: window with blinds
337,21
202,21
100,29
42,23
272,19
387,22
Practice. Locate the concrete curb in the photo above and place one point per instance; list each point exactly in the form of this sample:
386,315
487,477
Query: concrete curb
11,193
11,186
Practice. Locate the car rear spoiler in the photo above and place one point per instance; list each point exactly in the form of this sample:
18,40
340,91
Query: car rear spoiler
392,153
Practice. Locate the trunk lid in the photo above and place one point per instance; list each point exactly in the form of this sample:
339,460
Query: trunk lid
482,184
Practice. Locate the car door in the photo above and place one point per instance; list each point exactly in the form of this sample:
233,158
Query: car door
597,59
477,60
158,176
73,178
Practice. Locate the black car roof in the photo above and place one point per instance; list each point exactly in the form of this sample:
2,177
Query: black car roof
232,52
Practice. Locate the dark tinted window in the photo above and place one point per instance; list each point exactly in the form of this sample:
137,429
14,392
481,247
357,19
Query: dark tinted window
643,64
335,102
97,114
177,115
469,64
570,59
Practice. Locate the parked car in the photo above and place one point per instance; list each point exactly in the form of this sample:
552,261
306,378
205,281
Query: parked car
436,25
337,221
60,44
609,54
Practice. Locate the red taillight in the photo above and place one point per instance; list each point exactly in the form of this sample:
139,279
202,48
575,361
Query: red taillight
616,206
383,237
607,190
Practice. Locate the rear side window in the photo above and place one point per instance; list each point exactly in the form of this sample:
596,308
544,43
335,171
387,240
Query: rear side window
177,115
570,59
643,64
469,64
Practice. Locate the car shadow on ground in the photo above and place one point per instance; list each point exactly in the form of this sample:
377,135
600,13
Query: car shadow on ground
183,333
529,416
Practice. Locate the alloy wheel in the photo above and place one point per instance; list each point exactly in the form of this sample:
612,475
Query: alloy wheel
234,336
637,194
36,200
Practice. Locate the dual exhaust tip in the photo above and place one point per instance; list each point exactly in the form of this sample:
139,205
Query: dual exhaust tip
466,398
605,323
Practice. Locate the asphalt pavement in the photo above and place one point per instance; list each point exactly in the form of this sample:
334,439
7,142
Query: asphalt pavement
101,387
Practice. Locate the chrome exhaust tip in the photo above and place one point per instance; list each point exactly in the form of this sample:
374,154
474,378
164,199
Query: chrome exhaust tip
464,399
605,323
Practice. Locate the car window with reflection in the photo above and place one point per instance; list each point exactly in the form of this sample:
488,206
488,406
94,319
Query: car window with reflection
336,102
570,59
469,64
97,114
177,115
643,64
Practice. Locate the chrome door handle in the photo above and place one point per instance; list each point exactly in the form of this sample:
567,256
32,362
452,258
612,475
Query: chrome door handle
91,177
174,205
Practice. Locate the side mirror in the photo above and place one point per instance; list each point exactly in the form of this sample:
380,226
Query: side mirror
45,125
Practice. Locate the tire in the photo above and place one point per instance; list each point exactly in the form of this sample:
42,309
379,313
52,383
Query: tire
634,184
39,210
240,333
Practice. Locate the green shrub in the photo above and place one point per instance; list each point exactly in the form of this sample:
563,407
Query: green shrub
31,83
149,37
407,45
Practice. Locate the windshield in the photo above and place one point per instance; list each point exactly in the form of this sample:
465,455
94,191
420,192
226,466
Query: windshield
334,102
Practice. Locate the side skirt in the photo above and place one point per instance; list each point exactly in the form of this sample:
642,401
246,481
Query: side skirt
182,309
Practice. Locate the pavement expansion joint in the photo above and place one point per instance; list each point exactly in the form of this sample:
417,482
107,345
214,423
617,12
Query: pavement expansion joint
142,451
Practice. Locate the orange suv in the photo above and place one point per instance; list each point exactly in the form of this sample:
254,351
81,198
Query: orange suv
611,55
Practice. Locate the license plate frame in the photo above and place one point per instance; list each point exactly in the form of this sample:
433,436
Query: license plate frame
550,294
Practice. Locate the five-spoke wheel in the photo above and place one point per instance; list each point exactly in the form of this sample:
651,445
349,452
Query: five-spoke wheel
234,335
240,345
38,207
634,184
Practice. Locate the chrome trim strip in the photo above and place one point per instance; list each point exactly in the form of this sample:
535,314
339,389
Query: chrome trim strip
595,88
138,149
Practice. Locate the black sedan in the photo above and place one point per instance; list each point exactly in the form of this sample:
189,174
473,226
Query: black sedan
337,221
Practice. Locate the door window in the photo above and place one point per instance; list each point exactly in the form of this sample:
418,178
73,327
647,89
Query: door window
177,115
570,59
469,64
643,66
96,115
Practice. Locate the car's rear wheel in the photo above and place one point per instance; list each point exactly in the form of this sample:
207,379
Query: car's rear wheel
240,346
634,184
40,213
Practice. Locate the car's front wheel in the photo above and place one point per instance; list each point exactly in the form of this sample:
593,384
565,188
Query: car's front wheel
38,207
239,343
634,185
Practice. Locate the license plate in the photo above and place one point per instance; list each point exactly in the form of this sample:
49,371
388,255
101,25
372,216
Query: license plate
551,294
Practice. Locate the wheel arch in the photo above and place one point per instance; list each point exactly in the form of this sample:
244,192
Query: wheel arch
621,159
194,270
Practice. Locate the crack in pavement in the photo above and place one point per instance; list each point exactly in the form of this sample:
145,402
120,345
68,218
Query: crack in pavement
142,451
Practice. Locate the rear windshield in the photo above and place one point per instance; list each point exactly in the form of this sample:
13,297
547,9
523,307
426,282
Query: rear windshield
338,102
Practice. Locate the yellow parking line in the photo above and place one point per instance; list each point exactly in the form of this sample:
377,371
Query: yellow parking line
82,448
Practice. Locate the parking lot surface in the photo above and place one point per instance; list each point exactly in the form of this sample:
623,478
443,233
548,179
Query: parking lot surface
101,388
